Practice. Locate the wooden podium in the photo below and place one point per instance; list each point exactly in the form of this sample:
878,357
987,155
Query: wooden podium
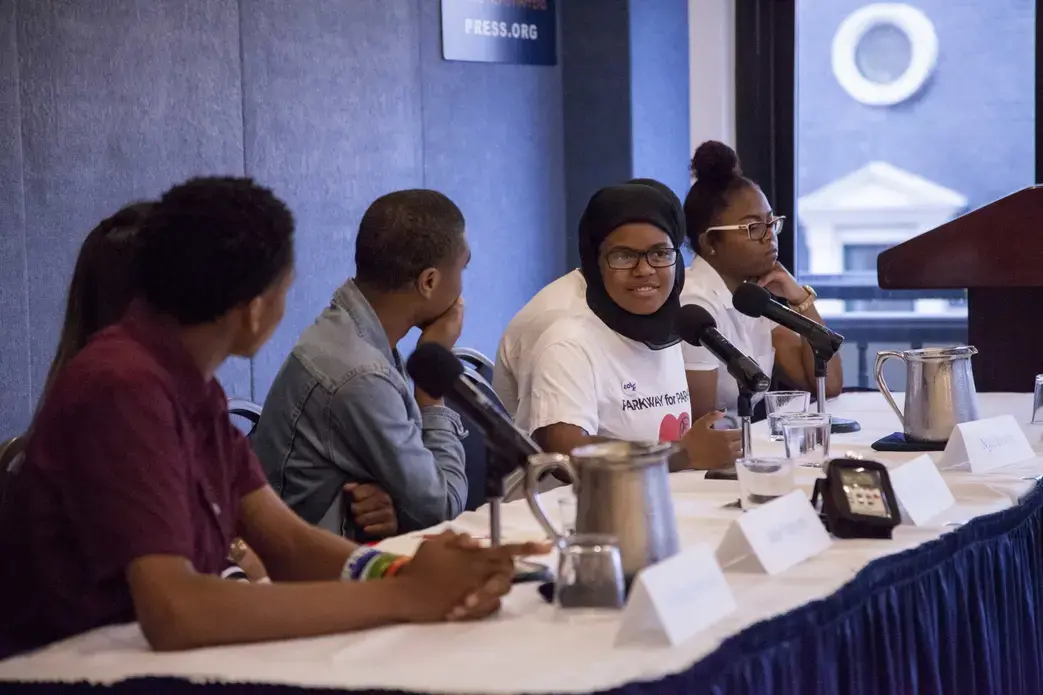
996,253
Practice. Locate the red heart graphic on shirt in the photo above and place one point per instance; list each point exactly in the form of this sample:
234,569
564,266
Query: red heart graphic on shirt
684,423
673,428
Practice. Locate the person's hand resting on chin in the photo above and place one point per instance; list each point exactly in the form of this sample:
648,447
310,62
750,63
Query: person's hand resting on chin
781,283
446,329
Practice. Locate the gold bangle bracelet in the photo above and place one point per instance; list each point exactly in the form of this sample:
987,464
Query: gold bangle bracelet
806,304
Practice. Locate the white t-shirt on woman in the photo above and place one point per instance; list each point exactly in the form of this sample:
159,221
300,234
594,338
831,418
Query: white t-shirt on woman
565,295
704,286
585,374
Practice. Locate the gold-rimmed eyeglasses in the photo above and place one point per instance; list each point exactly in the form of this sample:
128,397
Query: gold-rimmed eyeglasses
755,230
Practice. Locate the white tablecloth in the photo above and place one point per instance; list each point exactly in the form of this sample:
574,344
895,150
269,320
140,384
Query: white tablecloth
531,647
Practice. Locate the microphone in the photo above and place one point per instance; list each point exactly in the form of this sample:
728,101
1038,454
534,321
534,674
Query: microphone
438,373
755,301
695,325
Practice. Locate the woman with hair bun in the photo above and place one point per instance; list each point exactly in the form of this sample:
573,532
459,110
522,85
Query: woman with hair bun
734,233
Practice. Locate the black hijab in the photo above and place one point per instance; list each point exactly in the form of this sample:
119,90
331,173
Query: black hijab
640,200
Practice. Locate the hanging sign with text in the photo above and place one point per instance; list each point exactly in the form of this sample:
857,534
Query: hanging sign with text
500,31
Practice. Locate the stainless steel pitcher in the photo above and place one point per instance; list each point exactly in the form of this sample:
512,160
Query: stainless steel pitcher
939,392
623,490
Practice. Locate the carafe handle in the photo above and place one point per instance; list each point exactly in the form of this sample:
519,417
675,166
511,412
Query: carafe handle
538,465
882,357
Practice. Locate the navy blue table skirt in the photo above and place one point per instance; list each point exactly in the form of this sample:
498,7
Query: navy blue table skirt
963,614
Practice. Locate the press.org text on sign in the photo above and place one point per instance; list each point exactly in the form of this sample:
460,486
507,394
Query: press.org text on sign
490,27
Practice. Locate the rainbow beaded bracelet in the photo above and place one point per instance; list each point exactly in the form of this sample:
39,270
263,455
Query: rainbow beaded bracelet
366,564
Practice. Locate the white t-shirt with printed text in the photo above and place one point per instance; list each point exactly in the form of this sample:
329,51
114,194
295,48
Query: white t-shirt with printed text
587,375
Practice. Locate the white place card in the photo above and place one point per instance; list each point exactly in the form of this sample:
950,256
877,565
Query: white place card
921,491
983,445
675,599
772,538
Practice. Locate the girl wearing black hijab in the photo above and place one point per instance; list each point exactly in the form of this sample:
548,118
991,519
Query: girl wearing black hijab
614,368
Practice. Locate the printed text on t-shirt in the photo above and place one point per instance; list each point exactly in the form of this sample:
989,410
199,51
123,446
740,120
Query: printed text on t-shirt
663,399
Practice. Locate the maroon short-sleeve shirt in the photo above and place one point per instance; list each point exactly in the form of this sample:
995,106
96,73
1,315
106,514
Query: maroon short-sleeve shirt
132,454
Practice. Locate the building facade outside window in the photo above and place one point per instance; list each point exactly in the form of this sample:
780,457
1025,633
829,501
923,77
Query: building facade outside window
907,115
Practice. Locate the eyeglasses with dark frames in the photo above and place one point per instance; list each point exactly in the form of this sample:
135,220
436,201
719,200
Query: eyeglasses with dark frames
623,258
755,230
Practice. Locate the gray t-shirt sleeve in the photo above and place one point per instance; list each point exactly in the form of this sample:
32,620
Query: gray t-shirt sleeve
415,455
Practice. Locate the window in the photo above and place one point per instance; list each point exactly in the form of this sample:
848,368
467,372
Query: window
919,117
861,258
882,53
873,122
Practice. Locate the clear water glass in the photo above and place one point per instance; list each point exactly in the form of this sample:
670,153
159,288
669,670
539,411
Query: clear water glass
567,509
781,403
806,436
590,573
762,480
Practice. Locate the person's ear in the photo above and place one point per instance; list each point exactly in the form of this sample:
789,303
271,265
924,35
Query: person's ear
428,282
708,241
246,320
253,315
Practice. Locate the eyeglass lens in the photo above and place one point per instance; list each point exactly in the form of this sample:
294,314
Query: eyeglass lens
626,259
758,230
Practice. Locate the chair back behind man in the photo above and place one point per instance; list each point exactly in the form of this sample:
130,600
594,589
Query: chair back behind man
247,410
475,360
475,452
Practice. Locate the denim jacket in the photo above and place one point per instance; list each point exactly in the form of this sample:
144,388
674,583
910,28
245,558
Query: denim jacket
341,410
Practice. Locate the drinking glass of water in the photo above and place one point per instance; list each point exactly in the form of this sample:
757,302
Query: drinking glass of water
590,573
806,436
781,403
762,480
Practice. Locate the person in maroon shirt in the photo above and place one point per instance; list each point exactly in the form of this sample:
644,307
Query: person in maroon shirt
135,481
102,287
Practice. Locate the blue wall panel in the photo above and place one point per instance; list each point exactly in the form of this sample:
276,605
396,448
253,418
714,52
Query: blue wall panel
119,100
596,87
329,102
493,143
332,113
625,97
15,405
659,92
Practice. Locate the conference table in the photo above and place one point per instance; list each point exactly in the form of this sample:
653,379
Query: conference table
952,606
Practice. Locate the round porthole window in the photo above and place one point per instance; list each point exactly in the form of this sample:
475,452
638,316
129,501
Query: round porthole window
884,53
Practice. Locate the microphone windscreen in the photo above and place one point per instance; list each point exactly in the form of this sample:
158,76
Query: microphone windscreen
434,369
751,300
691,322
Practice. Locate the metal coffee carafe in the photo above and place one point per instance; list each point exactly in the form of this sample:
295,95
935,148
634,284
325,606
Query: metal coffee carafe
623,490
939,392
